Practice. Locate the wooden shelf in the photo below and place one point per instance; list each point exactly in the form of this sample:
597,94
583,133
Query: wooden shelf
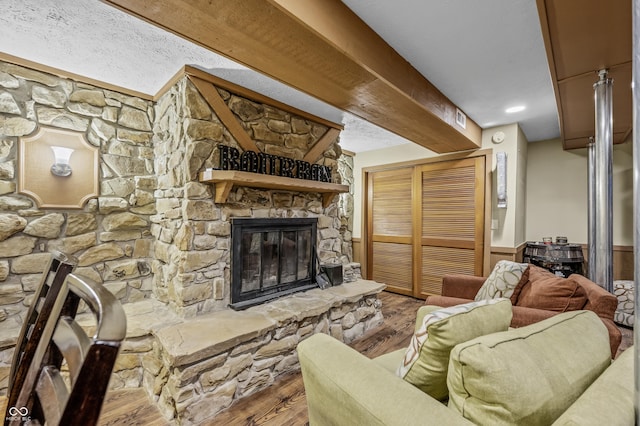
225,179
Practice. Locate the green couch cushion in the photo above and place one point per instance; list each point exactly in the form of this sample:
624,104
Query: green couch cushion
426,360
344,387
529,375
502,280
391,360
609,400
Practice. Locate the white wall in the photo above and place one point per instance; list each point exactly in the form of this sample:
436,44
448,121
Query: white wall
521,193
557,193
507,224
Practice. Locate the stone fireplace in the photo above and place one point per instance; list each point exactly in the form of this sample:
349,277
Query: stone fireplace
193,222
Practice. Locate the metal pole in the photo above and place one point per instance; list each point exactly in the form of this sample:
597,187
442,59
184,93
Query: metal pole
636,196
591,209
603,182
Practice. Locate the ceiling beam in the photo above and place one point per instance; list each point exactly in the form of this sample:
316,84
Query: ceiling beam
323,49
582,37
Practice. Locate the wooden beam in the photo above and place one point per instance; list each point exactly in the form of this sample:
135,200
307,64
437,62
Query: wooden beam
323,49
582,37
318,149
211,95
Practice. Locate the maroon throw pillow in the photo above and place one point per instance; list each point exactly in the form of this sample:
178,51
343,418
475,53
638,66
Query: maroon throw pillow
524,279
544,290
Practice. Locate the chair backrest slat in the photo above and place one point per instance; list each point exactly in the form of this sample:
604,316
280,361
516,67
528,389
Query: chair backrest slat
41,354
73,344
101,358
109,314
52,394
59,266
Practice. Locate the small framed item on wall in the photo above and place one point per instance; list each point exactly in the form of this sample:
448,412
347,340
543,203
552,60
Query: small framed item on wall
501,179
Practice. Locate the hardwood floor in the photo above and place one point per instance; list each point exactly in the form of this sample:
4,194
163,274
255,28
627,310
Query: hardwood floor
130,407
284,402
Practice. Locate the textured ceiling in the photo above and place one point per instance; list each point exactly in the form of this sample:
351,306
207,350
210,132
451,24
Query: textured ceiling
485,56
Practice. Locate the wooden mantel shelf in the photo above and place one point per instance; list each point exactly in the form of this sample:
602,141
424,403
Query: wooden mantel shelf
225,179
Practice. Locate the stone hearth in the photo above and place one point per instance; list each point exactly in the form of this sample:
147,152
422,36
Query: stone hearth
198,367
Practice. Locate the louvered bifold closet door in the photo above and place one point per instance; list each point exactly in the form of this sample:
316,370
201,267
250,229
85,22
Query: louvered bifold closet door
452,221
390,229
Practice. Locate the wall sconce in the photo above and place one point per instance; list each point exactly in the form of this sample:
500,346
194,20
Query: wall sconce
61,165
57,168
501,179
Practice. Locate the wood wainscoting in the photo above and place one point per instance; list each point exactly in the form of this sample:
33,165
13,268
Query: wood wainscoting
358,256
623,265
623,262
506,253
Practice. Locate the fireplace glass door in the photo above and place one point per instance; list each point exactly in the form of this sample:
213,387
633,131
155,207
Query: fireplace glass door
271,258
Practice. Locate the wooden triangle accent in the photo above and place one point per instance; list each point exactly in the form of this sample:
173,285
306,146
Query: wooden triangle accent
215,101
318,149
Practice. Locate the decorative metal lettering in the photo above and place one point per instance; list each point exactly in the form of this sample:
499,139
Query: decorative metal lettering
249,161
303,170
266,164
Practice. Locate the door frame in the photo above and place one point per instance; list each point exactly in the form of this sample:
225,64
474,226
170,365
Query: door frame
367,196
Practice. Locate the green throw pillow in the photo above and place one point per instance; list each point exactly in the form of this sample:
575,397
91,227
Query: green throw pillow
502,281
422,311
528,375
427,358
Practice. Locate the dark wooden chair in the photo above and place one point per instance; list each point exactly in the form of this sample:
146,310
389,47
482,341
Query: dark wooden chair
44,393
60,265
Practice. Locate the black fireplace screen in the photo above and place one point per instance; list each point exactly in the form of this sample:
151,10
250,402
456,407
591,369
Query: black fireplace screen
271,258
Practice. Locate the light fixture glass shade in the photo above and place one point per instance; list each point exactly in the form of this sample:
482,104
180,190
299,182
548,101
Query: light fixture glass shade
61,165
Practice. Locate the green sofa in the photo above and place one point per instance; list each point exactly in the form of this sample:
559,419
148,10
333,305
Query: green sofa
557,371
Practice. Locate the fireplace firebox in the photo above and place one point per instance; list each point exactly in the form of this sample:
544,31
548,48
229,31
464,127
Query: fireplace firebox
271,258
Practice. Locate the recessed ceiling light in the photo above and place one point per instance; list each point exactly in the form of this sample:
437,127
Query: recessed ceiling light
515,109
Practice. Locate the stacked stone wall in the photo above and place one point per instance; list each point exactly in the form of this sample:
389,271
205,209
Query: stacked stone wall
345,209
110,234
154,236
